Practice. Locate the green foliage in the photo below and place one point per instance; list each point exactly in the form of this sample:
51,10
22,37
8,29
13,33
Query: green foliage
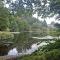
23,25
55,8
29,7
6,36
54,32
52,46
13,24
57,25
22,41
1,4
52,53
19,18
4,20
4,12
19,8
43,8
4,24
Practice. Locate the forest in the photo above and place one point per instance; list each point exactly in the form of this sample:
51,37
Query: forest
24,26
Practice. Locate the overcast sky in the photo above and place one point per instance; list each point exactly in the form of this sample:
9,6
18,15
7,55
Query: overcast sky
48,20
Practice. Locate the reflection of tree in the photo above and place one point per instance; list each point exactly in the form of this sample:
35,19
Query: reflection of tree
22,40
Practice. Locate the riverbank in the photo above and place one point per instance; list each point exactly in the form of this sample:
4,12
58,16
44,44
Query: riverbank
48,52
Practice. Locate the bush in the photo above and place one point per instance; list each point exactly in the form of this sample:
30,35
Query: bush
6,36
52,46
51,55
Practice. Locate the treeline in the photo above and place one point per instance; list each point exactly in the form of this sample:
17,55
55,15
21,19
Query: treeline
8,21
11,21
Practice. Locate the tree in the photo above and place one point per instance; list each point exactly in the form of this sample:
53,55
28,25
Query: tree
44,8
13,24
44,23
23,25
20,7
55,7
29,7
4,24
57,25
4,20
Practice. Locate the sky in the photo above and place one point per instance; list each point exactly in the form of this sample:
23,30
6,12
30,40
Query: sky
48,20
7,5
14,0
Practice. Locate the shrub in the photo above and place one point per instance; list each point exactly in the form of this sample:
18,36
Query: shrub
6,36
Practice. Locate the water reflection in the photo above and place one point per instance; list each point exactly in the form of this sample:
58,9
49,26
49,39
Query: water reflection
33,48
24,41
13,52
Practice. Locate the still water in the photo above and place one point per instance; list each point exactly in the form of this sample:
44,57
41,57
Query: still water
25,43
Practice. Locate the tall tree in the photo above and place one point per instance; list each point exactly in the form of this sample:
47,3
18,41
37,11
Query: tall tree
29,7
55,7
57,25
4,13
